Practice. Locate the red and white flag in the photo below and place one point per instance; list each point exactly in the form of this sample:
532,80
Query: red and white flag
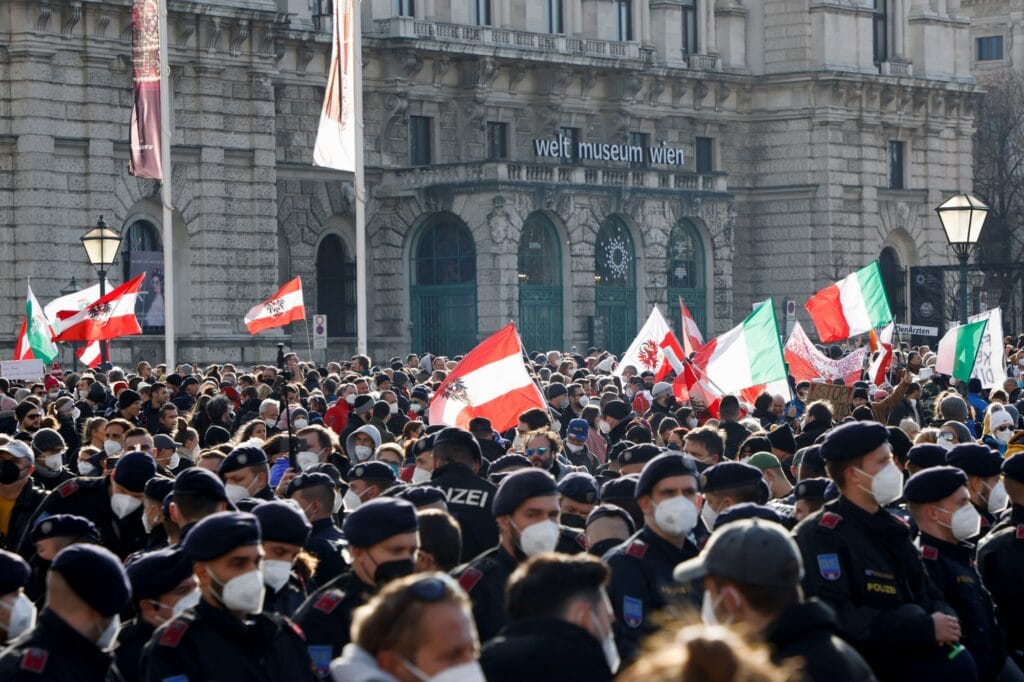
647,352
89,355
111,317
807,363
283,307
692,339
879,367
144,131
491,381
335,145
22,350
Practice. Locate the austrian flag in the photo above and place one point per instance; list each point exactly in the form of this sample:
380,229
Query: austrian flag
111,317
283,307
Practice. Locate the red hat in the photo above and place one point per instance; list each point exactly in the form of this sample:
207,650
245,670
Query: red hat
119,386
50,382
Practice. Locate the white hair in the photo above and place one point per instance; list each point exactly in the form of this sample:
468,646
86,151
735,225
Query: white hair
269,402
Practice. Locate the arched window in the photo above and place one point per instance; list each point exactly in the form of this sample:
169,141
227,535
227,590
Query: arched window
540,285
443,287
336,286
615,280
894,277
142,252
686,276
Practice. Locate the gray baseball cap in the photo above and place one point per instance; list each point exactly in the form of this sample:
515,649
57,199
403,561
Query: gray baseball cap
751,552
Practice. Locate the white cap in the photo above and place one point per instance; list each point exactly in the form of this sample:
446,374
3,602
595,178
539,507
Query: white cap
20,450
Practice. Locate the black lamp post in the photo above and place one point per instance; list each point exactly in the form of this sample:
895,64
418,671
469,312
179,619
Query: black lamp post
962,218
101,244
71,288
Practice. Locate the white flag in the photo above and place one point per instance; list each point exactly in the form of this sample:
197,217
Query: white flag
645,354
336,138
990,366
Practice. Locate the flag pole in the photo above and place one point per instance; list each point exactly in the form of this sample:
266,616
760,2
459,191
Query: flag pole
309,344
358,181
165,191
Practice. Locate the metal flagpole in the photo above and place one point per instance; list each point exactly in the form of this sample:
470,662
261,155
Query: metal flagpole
309,343
359,184
165,190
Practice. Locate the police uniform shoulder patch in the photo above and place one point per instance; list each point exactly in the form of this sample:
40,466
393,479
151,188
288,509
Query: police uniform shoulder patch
34,660
328,601
637,549
632,611
829,520
828,566
1020,532
929,552
67,488
469,578
174,632
321,657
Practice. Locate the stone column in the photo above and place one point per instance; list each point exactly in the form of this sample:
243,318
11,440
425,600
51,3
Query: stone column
710,45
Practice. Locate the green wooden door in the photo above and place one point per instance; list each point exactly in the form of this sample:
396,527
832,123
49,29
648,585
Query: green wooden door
443,289
540,286
686,276
615,280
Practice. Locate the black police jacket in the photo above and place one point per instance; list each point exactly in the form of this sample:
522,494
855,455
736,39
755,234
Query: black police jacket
288,599
325,542
484,580
865,567
1000,557
326,618
89,496
131,640
568,652
809,631
53,650
25,505
642,584
950,568
469,501
208,643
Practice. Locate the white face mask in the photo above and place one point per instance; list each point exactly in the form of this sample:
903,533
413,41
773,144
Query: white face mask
393,408
886,485
123,505
676,515
147,524
708,515
420,475
944,444
604,426
75,413
363,452
338,502
467,672
86,468
351,500
611,652
707,609
54,462
415,408
53,394
175,461
235,492
270,422
300,424
1004,435
350,399
693,422
965,522
276,573
538,538
573,447
307,460
22,616
584,400
997,498
106,637
187,602
242,593
112,447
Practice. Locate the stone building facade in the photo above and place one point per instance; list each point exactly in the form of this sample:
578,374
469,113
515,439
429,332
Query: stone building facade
562,163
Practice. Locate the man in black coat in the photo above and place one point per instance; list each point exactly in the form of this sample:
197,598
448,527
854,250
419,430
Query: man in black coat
751,571
555,598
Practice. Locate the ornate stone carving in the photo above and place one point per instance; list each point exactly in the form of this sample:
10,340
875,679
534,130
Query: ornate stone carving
499,220
72,15
239,35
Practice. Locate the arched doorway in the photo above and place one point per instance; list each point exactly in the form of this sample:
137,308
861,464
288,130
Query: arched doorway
615,280
336,286
540,285
443,287
894,277
142,252
687,277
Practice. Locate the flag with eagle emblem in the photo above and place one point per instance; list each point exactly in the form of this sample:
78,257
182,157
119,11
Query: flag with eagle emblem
283,307
111,317
647,352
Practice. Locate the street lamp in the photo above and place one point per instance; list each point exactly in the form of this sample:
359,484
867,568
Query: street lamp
101,244
962,218
71,288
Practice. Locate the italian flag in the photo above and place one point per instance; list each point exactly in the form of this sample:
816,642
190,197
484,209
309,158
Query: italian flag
853,305
746,356
958,350
37,331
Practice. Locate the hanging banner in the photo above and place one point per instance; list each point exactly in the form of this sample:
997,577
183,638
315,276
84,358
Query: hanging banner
336,137
990,366
145,123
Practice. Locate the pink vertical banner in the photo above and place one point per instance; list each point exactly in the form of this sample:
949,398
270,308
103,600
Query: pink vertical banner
145,124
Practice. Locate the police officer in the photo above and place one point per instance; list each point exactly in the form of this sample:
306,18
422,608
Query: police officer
162,587
1000,557
17,612
608,525
197,493
314,493
940,505
860,561
226,636
157,489
642,583
527,512
113,503
284,530
382,537
727,484
982,466
457,460
245,473
48,537
808,497
17,462
925,456
86,589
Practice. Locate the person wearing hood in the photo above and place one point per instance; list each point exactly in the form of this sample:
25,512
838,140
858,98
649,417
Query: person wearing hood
417,628
999,428
383,540
361,443
751,570
357,419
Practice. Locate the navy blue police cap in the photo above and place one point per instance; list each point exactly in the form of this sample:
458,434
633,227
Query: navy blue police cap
418,495
1013,468
853,440
621,488
133,470
311,479
727,475
379,519
811,489
975,459
64,526
520,486
158,487
661,467
281,521
747,510
639,454
927,455
154,574
220,533
96,576
611,511
934,484
242,456
580,487
14,572
199,482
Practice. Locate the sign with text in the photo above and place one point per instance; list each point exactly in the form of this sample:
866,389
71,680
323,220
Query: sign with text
839,397
990,366
917,330
563,148
22,370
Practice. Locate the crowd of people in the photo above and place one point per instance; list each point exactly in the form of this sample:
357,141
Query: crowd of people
291,521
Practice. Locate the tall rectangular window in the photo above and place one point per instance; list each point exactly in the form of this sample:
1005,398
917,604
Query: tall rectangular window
482,12
642,140
689,8
555,17
419,140
896,164
624,9
990,48
405,8
573,135
880,31
497,140
704,152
